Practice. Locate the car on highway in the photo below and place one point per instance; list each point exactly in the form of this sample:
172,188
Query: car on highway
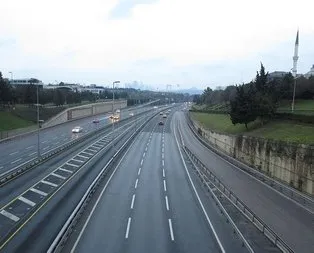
161,123
96,120
164,116
118,111
169,110
77,129
160,113
155,107
131,114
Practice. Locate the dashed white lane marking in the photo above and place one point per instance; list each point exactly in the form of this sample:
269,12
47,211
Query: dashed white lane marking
74,165
46,147
165,187
146,149
80,161
70,171
57,175
1,167
55,138
171,230
9,215
27,201
48,183
142,162
15,161
135,186
163,172
14,153
139,171
144,154
132,203
44,142
57,142
83,156
39,192
128,228
167,204
32,153
162,156
30,147
162,150
163,162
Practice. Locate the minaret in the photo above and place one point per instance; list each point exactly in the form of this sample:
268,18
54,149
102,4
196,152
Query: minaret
296,56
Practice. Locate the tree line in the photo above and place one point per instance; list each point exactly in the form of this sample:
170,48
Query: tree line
27,94
259,98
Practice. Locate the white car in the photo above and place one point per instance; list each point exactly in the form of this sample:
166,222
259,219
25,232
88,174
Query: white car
155,107
131,114
118,111
77,129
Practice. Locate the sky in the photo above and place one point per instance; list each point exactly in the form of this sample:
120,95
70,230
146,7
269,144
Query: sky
183,43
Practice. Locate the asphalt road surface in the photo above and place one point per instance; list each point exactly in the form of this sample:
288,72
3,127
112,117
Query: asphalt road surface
150,206
291,222
15,152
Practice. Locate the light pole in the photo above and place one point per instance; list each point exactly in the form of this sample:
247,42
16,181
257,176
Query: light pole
11,75
113,112
38,126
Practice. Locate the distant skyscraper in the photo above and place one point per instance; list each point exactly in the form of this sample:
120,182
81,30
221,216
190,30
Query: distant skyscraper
295,56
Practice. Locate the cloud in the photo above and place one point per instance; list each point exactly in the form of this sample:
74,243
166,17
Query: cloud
191,36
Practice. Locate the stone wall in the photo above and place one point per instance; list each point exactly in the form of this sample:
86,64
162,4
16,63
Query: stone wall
288,162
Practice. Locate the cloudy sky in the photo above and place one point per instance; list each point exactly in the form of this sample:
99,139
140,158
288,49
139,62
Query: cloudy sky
184,43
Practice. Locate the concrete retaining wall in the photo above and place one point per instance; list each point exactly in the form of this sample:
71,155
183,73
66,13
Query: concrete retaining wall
287,162
84,111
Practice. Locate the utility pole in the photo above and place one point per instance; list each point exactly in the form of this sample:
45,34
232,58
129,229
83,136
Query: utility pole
294,69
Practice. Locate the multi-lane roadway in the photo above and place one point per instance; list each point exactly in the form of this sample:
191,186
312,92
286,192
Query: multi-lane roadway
18,151
150,202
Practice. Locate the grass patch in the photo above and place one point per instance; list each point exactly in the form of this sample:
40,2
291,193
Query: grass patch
278,130
8,121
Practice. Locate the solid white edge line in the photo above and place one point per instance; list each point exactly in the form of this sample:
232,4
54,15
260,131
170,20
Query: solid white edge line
256,179
165,187
135,186
198,198
139,171
167,204
128,228
97,201
27,201
132,203
171,230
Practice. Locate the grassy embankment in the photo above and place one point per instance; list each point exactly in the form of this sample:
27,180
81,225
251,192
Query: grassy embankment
284,130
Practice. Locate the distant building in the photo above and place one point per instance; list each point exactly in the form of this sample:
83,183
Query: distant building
26,81
310,73
276,75
94,89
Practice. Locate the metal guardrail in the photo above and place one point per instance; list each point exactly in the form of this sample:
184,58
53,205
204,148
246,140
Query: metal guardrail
210,189
303,199
68,227
249,214
23,168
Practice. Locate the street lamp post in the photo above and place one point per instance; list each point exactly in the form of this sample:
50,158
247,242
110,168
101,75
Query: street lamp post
38,126
11,75
113,112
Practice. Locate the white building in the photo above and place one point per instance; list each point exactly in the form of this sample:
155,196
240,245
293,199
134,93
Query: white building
310,73
26,81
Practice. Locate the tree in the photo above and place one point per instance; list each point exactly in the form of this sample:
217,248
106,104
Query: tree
242,107
5,91
58,98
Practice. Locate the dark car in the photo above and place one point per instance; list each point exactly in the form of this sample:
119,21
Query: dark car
160,123
96,121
